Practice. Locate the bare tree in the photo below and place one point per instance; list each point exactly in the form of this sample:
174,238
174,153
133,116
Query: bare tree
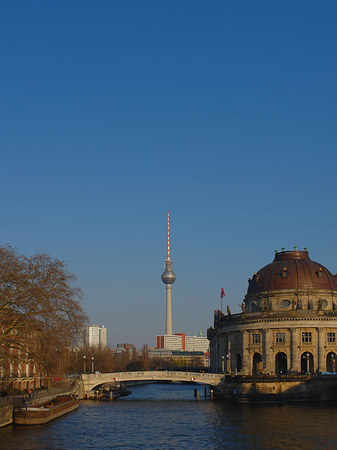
40,311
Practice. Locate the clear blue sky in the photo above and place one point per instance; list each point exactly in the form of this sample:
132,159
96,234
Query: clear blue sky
114,112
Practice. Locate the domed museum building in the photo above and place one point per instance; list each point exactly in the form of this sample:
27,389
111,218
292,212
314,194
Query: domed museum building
288,323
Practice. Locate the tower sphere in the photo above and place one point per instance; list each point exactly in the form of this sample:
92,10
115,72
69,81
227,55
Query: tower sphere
168,277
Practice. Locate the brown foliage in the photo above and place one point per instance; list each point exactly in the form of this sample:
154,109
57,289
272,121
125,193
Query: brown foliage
40,311
105,360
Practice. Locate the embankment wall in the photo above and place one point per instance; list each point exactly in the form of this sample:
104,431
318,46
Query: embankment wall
272,389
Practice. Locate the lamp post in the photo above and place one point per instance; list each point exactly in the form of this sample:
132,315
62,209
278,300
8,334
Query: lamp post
84,364
223,364
308,366
92,364
228,365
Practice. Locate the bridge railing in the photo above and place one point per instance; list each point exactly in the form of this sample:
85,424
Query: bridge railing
147,372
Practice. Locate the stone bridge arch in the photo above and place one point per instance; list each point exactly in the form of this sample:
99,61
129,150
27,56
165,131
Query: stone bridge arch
91,381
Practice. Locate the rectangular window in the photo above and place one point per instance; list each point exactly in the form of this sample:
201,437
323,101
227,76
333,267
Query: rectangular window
280,337
256,338
306,336
331,337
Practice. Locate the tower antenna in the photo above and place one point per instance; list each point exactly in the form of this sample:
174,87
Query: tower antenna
168,235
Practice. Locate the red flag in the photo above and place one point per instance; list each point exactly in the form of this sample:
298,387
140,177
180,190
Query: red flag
222,292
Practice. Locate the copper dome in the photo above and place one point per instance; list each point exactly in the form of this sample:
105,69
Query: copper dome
292,270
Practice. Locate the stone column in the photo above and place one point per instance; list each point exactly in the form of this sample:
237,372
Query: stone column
320,364
295,358
268,365
229,359
218,351
245,353
249,356
220,345
223,350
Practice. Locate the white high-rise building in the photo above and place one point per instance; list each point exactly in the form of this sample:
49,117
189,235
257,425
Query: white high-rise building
102,337
180,341
197,344
95,336
171,341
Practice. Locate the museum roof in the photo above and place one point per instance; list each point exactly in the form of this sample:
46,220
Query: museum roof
292,270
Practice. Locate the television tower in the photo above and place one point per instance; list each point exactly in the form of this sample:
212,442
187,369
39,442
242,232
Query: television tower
168,277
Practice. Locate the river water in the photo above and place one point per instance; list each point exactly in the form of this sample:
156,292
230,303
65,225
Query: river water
167,417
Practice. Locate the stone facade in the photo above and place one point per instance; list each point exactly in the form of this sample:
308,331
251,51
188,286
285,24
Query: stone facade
6,413
288,323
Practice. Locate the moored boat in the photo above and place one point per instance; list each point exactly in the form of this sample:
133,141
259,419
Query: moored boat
123,391
108,395
109,392
44,413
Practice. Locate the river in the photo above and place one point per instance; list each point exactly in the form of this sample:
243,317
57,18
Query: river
167,417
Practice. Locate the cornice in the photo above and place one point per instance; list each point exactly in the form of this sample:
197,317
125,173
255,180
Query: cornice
272,292
290,319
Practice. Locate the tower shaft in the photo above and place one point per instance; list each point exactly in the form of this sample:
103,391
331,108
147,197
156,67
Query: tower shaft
168,329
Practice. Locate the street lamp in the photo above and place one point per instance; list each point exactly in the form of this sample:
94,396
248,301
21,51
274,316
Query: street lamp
92,364
228,365
307,356
333,361
222,364
84,364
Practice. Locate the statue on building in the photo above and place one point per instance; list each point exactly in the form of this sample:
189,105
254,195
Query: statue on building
265,304
220,314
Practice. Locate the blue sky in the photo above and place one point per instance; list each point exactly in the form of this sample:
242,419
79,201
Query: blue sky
113,113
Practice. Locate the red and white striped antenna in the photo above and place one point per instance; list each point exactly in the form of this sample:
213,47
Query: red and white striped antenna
168,235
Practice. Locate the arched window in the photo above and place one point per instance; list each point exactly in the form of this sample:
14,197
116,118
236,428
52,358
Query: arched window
238,362
307,362
281,364
331,362
257,363
254,307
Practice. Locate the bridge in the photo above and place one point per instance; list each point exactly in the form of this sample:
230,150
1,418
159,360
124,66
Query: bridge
90,381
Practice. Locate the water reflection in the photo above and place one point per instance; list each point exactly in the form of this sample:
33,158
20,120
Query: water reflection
167,417
287,427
